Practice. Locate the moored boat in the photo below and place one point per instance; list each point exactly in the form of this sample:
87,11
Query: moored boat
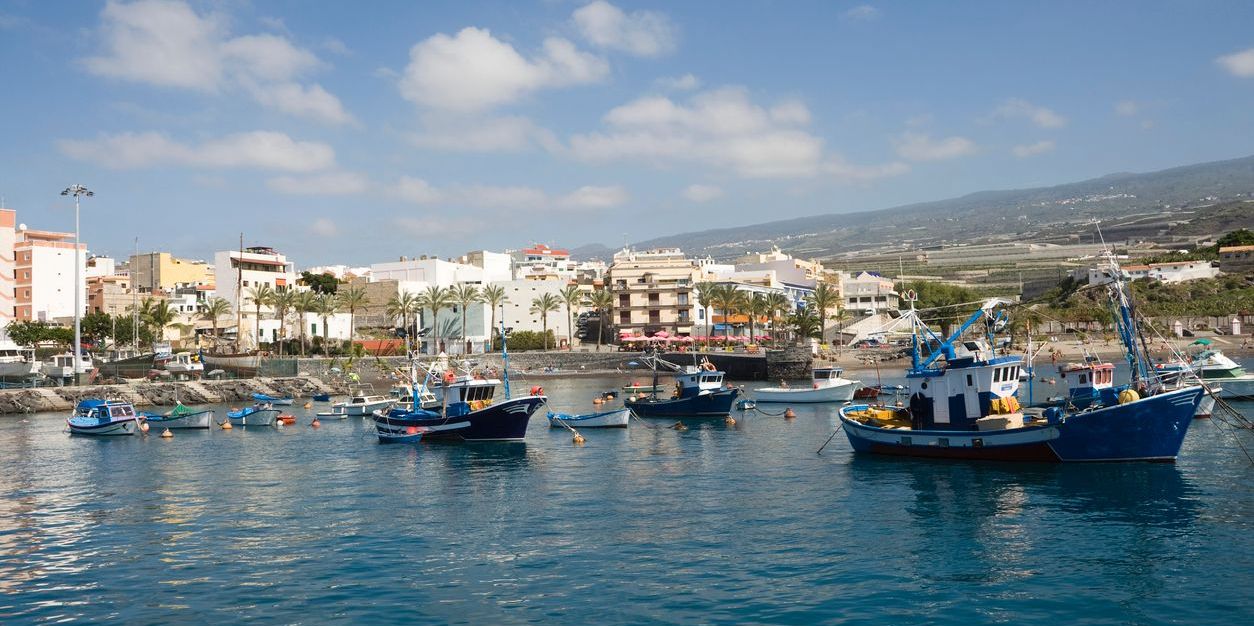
269,399
1217,370
362,401
827,385
104,417
180,416
699,394
963,403
617,418
256,415
185,364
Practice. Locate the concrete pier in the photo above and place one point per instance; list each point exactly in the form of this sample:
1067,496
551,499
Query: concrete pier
43,399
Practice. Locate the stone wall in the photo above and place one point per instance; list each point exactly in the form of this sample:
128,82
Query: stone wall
789,363
160,394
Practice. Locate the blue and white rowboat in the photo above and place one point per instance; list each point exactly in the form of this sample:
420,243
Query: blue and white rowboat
617,418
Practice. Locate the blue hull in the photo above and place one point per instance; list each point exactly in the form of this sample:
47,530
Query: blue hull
1151,429
710,405
503,421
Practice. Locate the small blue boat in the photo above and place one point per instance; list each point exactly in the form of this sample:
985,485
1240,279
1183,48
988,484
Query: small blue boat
104,417
256,415
616,418
699,394
269,399
322,397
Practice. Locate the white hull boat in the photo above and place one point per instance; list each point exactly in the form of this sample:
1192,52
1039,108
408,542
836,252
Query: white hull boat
617,418
253,416
827,386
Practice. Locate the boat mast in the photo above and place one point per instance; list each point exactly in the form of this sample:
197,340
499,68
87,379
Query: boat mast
504,361
135,304
239,285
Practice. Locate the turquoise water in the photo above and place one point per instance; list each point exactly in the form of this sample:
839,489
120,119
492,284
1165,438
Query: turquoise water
718,524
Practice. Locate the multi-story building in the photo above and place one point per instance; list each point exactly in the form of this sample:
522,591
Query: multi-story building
516,311
101,266
868,293
653,290
540,262
109,294
161,271
44,267
248,269
8,239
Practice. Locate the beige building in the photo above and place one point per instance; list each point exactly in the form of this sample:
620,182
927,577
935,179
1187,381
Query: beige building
1236,259
161,271
653,290
109,294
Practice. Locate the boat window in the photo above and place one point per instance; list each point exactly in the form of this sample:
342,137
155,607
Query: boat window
997,374
970,382
122,411
1083,379
1014,373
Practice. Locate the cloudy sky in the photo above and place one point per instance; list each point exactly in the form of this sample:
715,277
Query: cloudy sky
355,132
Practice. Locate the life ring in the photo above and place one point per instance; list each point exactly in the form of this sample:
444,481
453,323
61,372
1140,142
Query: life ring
449,376
708,366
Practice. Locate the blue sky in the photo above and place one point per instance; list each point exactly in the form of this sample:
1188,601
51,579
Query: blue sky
356,132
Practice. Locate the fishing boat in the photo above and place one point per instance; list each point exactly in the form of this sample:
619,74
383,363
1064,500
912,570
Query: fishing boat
399,430
1217,369
240,363
185,364
963,402
469,410
61,366
269,399
616,418
827,386
16,362
125,363
255,415
637,388
181,416
1085,382
99,417
699,393
362,401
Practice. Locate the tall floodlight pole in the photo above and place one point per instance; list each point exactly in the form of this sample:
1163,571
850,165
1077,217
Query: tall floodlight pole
78,191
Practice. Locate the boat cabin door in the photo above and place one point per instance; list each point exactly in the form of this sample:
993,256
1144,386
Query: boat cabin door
940,400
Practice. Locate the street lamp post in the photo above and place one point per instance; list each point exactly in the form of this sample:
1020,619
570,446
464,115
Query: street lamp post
77,191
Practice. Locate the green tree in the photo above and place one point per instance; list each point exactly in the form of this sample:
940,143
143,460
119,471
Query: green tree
464,295
705,292
97,327
282,301
493,296
435,299
805,324
353,299
28,333
260,295
304,302
159,315
324,306
823,299
401,306
320,283
543,305
214,310
777,305
601,301
571,296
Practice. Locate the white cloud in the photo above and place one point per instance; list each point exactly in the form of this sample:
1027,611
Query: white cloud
473,134
335,46
1238,63
1033,149
862,12
702,193
1127,108
496,197
1039,115
921,147
641,33
324,227
687,82
473,70
721,128
324,184
258,149
843,171
166,43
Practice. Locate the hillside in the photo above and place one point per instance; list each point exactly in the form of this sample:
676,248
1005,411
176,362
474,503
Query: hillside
1193,200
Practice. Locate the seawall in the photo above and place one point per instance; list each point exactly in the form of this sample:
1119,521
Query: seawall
43,399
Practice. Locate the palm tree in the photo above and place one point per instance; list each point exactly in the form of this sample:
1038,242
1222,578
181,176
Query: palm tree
806,324
464,295
326,305
402,306
543,305
706,292
436,299
303,303
841,316
213,311
159,314
821,300
261,295
756,307
600,300
352,299
777,305
282,302
493,296
571,296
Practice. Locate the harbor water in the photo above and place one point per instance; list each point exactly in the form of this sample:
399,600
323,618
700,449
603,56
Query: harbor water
720,523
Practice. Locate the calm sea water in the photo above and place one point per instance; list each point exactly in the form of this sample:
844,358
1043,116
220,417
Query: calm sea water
718,524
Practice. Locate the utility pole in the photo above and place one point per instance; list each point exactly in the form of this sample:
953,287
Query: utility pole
77,191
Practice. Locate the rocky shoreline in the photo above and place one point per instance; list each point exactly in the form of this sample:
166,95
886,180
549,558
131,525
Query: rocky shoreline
42,399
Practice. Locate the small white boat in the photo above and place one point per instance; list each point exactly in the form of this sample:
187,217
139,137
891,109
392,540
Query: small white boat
62,365
17,362
186,364
1218,370
616,418
104,417
180,416
256,415
363,401
827,386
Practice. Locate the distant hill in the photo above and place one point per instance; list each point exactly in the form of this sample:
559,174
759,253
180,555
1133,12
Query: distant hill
1191,200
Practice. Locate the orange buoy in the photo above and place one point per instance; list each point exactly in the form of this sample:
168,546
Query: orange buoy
578,439
227,425
730,421
537,390
789,414
679,426
308,405
167,434
315,423
143,427
598,401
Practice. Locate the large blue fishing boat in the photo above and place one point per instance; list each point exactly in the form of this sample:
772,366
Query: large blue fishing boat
963,403
699,393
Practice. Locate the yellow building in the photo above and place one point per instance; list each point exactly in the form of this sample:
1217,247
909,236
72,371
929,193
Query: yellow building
161,271
653,290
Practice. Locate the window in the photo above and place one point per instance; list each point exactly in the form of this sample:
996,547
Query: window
970,382
624,317
683,298
1083,379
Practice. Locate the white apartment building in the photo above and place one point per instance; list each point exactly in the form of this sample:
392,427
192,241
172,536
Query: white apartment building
541,262
517,308
867,293
1173,272
43,271
255,266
